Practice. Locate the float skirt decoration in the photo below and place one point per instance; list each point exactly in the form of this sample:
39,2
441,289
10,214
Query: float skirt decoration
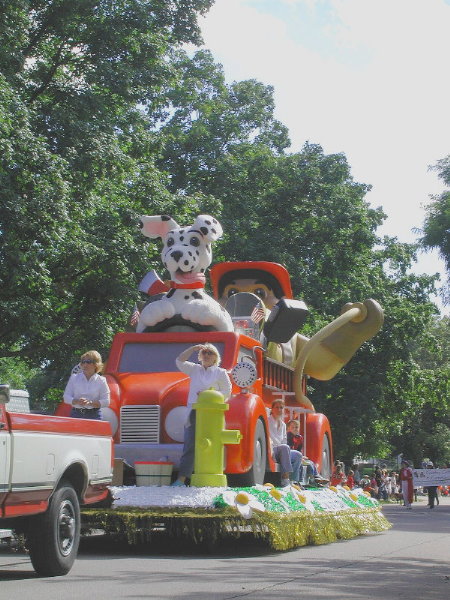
282,518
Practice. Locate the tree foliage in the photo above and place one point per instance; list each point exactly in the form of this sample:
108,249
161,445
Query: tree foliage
436,227
103,117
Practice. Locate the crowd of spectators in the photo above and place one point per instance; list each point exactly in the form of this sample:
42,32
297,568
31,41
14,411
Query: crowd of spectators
381,483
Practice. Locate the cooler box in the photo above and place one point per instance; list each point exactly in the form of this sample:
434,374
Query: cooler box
153,473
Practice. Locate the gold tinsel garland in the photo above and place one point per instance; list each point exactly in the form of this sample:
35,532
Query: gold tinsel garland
282,531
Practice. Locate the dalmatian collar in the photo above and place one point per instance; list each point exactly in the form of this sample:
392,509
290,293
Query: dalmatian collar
193,285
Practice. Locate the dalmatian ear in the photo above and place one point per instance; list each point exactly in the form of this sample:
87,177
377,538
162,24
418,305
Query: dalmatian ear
158,226
209,226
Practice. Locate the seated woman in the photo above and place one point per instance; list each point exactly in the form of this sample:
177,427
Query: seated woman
290,460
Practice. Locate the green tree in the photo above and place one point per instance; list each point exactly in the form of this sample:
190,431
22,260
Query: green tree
305,211
102,118
83,84
208,118
436,227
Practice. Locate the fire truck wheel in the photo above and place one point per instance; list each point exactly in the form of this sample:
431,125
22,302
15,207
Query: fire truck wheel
54,536
257,472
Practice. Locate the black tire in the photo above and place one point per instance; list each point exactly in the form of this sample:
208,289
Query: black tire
257,472
53,538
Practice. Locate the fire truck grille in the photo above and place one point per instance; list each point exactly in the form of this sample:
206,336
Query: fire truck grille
139,424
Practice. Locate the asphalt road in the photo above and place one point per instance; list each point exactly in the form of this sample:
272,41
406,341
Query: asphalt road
411,561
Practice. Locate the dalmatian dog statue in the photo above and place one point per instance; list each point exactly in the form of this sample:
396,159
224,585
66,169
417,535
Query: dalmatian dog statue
186,255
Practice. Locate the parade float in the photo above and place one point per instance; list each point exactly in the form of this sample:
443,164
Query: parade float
253,320
208,512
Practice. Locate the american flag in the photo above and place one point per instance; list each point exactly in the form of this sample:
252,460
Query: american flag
258,314
135,316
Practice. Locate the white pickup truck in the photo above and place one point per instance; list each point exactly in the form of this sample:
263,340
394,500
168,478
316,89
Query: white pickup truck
49,466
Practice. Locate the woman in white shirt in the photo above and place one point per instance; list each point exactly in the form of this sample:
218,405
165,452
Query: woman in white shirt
86,392
290,460
203,376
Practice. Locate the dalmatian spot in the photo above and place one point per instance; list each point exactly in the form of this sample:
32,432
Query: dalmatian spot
186,297
170,293
197,296
176,255
165,218
204,230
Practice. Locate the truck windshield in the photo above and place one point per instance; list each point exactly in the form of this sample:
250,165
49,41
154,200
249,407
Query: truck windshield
155,358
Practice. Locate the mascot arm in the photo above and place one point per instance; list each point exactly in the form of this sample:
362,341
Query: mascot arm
334,351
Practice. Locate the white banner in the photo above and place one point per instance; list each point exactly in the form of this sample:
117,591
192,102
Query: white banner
425,477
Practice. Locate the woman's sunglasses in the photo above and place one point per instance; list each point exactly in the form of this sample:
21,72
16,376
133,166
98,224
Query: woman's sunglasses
87,361
210,352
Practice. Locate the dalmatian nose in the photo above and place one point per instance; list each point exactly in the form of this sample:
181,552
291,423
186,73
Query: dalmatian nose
176,255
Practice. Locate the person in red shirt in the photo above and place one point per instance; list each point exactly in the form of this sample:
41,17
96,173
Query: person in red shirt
406,482
294,437
350,479
338,477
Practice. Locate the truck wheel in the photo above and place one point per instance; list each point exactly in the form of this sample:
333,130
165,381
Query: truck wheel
53,537
257,472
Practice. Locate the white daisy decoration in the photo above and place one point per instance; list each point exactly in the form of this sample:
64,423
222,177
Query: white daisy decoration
245,503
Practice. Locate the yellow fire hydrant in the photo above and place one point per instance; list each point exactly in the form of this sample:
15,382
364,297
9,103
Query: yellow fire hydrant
210,437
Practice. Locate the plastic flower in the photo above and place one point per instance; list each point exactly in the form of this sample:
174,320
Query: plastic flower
245,503
354,497
333,488
277,494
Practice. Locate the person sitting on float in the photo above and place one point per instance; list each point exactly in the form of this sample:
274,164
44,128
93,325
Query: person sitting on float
290,460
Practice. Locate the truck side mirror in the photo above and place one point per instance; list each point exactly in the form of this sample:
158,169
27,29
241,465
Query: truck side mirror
4,393
285,319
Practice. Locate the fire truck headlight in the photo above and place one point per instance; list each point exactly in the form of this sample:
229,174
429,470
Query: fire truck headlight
174,423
